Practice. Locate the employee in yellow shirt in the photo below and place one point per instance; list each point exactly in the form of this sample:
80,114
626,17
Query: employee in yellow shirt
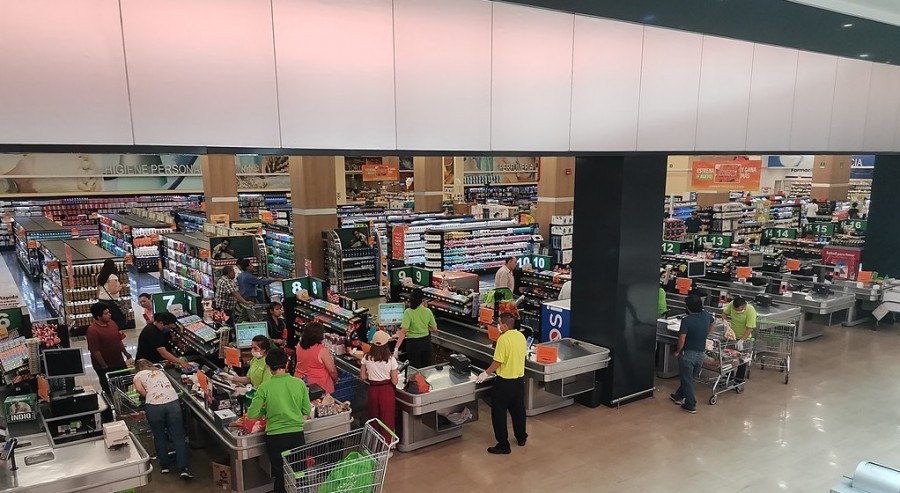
742,318
509,386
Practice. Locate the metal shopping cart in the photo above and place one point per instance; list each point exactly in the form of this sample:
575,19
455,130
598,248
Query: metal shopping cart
723,358
774,345
128,404
354,462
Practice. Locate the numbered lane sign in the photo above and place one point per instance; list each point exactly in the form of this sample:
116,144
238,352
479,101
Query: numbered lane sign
671,247
399,274
788,233
293,286
421,277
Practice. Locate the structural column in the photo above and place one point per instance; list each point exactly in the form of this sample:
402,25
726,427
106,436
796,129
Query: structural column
556,191
314,201
220,185
428,183
883,227
831,178
616,269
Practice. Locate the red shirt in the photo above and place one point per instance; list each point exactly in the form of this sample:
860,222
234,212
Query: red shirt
108,342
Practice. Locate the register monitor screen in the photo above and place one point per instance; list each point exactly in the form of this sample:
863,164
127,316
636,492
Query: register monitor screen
247,331
61,363
390,313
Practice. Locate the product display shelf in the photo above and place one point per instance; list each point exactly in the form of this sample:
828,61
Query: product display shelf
541,286
126,234
859,188
279,251
71,298
736,219
561,231
189,221
785,215
335,317
30,231
673,229
354,271
186,263
7,233
476,247
251,204
800,188
414,235
503,193
802,249
681,206
195,334
459,305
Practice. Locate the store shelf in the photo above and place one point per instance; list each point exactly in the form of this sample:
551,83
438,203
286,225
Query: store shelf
186,263
352,270
279,251
462,247
125,234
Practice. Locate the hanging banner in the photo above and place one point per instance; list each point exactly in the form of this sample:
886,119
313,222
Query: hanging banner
380,172
726,175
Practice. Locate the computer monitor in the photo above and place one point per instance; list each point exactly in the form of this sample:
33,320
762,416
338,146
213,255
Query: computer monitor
62,363
246,331
390,313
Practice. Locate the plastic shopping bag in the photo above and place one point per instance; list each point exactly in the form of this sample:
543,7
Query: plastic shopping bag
353,474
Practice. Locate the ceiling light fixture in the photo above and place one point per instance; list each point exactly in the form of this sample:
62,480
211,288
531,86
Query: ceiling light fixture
847,25
864,55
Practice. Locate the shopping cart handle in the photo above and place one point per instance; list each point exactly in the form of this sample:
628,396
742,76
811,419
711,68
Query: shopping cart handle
384,427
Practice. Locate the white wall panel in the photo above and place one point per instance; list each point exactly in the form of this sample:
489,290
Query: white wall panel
814,92
606,84
443,74
724,94
771,98
201,72
670,84
882,107
336,73
62,73
848,113
531,79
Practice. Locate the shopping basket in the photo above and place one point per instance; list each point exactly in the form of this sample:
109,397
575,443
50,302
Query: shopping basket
354,462
128,404
774,345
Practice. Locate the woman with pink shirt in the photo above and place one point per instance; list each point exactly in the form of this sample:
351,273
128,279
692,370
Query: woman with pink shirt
315,364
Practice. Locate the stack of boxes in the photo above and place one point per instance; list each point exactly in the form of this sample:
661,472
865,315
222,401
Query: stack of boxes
561,228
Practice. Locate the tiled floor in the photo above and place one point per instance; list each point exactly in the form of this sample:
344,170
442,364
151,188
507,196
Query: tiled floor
841,407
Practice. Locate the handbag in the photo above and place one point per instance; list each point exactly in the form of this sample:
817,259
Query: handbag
417,385
117,309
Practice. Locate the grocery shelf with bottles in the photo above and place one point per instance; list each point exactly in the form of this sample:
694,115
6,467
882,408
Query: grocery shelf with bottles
30,231
476,245
127,234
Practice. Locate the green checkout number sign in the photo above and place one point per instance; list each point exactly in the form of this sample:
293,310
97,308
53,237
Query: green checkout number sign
293,286
671,247
317,288
821,229
788,233
11,319
537,262
163,301
858,225
718,241
419,276
399,274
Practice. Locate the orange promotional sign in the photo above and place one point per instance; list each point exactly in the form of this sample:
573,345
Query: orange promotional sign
493,333
744,272
864,276
233,357
683,285
547,354
726,175
792,264
203,381
398,242
381,172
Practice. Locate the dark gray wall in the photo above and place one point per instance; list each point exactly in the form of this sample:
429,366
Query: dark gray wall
882,251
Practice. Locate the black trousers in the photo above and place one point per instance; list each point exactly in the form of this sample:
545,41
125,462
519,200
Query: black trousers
508,396
418,352
104,381
275,445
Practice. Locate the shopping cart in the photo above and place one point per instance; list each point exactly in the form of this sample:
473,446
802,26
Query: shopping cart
128,404
352,462
723,358
774,345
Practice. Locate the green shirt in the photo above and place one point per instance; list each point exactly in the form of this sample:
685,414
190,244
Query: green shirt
510,353
284,401
417,321
661,303
259,373
742,321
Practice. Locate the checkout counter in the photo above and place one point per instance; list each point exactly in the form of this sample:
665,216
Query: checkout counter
246,452
547,386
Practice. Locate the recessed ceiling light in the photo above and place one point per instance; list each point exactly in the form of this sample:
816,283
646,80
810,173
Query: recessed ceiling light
848,25
864,55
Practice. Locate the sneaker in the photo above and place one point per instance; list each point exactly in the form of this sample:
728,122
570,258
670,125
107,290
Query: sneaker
164,469
496,449
676,400
522,441
186,474
688,409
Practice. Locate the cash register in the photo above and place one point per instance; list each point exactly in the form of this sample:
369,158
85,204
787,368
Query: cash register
74,413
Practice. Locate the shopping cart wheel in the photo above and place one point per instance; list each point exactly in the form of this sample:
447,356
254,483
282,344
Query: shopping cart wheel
713,400
739,389
787,376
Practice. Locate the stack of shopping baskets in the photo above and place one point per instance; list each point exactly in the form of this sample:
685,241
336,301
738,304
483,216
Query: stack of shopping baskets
352,462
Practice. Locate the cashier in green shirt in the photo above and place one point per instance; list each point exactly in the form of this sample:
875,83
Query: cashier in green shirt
284,401
416,328
259,372
661,303
742,318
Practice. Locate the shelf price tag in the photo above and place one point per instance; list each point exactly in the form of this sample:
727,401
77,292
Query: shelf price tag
789,233
400,273
420,276
672,247
858,225
821,229
293,286
129,260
